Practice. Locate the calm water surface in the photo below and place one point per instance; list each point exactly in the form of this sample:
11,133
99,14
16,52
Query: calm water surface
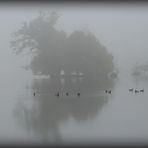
119,117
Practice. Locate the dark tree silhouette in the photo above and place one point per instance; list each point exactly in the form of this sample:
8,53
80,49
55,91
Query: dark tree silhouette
54,50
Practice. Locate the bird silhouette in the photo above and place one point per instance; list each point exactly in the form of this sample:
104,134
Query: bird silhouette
57,94
78,94
136,91
110,92
131,89
142,90
67,94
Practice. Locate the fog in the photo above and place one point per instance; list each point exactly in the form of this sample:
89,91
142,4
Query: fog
88,49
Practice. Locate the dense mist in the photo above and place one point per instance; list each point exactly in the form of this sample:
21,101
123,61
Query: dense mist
74,73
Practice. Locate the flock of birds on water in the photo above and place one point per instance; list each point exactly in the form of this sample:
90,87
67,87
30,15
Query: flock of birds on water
136,91
58,94
106,91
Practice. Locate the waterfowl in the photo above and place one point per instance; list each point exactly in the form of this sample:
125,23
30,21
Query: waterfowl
67,94
110,92
78,94
131,89
142,90
136,91
58,94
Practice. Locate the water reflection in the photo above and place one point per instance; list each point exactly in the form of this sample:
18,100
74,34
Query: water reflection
44,113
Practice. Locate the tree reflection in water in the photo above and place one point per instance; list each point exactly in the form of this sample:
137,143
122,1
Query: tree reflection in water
45,112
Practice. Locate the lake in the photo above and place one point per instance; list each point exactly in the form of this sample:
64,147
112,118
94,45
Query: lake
120,117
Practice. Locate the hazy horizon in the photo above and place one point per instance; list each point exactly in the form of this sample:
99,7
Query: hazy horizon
120,116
